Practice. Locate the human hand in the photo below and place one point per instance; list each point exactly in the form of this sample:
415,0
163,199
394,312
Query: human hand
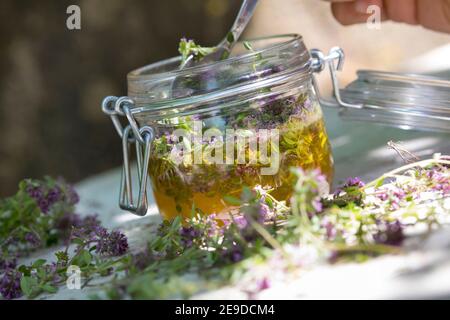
431,14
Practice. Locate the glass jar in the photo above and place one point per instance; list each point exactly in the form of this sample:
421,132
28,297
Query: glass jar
216,128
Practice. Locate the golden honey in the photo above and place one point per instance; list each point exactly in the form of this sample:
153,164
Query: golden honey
302,142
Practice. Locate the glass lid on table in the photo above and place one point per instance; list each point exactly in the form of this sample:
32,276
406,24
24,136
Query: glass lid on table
407,101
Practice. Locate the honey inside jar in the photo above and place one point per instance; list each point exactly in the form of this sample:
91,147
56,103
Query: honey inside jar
181,185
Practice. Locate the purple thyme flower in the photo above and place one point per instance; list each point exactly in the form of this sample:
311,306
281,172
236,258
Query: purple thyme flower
392,197
300,108
307,104
399,193
383,196
170,138
44,205
112,244
188,236
233,254
349,184
263,284
99,232
54,195
142,259
118,243
264,212
353,182
33,239
441,182
6,264
35,192
317,204
241,222
88,226
38,194
10,285
330,230
212,226
90,223
236,255
44,198
390,233
72,196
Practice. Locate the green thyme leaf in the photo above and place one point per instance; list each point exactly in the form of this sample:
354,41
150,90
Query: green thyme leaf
38,263
188,48
49,288
230,37
29,286
248,46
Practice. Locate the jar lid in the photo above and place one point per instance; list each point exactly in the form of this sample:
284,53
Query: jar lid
406,101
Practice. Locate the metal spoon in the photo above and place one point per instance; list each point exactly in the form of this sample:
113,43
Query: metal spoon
224,48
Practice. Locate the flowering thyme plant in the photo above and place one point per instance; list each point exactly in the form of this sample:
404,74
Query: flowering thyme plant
260,242
42,214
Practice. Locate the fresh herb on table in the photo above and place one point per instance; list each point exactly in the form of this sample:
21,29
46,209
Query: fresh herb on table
357,222
186,256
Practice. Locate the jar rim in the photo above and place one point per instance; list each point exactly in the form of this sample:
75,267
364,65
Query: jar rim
139,73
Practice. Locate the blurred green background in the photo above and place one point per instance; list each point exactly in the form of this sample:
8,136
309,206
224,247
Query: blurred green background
52,80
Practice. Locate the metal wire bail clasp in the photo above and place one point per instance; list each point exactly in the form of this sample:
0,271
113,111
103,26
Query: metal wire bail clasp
142,138
126,201
335,61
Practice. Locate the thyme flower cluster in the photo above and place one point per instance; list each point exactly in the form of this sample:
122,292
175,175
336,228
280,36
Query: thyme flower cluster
42,214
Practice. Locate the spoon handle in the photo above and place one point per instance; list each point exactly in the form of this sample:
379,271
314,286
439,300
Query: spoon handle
225,46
